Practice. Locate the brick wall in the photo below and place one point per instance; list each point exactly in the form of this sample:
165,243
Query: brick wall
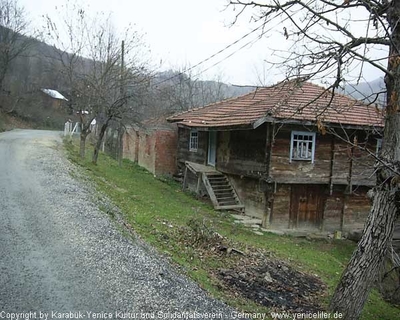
153,149
146,155
131,145
166,150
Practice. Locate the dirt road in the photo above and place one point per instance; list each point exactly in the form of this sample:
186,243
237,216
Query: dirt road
62,257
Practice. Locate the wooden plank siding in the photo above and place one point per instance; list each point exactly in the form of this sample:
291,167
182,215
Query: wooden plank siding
270,186
242,152
307,206
184,154
300,172
319,172
355,211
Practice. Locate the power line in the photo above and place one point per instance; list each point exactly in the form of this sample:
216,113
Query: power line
214,55
228,56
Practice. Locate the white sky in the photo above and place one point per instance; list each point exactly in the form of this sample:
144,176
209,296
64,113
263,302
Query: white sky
183,33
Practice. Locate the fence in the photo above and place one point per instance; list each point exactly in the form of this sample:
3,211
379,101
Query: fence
70,128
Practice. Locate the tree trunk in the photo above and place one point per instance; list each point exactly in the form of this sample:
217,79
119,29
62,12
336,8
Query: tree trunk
98,143
120,148
82,143
85,131
362,271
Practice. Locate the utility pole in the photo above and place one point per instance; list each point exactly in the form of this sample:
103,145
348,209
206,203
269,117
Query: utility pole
122,93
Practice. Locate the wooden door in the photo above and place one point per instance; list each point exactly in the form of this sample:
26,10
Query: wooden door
306,206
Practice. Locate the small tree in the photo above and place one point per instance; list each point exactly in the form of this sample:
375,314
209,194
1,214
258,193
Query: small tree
14,40
328,40
91,59
118,80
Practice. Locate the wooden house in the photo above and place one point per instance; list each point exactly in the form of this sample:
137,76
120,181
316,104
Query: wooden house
282,154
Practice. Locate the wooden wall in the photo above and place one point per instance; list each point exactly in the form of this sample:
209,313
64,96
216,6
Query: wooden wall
319,172
242,152
284,171
281,207
199,156
242,156
356,208
250,194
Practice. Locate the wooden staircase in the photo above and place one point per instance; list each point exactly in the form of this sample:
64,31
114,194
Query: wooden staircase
221,192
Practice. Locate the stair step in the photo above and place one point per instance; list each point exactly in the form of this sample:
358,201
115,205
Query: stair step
222,183
222,194
226,198
222,187
214,175
217,178
229,193
237,206
227,203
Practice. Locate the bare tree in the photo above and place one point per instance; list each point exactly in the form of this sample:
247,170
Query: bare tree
331,40
183,89
118,80
14,40
91,56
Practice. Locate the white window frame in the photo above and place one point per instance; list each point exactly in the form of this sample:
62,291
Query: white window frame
194,140
303,143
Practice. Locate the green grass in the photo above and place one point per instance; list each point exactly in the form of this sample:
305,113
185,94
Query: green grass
159,212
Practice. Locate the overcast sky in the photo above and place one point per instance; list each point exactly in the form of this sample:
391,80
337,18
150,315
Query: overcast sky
185,32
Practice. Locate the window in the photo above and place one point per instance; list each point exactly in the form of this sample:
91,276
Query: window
378,146
302,146
194,140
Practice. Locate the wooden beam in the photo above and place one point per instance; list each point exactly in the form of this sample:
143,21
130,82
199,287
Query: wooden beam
198,183
343,211
185,178
331,166
350,174
268,193
322,227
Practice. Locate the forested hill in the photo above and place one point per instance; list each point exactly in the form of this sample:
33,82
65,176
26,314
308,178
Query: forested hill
41,66
367,91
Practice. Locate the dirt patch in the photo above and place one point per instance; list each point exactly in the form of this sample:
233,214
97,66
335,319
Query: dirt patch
254,273
275,285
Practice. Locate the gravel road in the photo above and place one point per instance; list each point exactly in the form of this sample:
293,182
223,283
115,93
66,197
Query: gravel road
61,257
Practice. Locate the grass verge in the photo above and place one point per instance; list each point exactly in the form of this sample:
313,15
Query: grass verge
164,216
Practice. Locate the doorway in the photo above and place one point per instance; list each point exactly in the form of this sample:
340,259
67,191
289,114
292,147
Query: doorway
212,148
306,206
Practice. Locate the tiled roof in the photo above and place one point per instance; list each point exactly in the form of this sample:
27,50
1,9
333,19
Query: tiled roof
289,100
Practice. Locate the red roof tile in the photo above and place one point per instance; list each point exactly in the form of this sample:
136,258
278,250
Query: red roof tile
290,100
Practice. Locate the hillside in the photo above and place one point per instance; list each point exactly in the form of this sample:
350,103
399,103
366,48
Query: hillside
367,91
41,66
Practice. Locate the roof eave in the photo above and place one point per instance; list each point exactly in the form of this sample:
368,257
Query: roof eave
216,128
